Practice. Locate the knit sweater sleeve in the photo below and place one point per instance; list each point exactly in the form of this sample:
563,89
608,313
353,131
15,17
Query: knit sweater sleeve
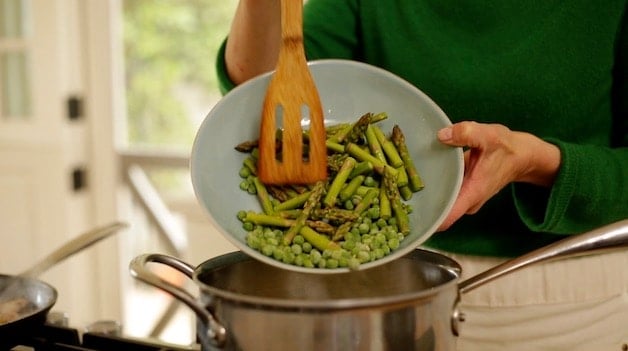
591,188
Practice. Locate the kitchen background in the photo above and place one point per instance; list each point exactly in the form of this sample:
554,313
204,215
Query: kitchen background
99,104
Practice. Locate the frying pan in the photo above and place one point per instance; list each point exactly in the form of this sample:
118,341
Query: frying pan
39,295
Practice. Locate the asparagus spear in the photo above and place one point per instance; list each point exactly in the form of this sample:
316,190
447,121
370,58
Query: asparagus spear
392,191
378,117
247,146
359,128
335,147
294,202
405,192
269,220
309,206
250,163
351,188
414,179
338,182
385,211
366,201
335,161
362,190
288,214
343,229
374,145
278,193
353,132
335,214
262,195
389,148
321,227
321,242
363,167
402,177
357,152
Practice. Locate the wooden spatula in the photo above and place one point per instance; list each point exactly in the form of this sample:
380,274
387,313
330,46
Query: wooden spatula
292,95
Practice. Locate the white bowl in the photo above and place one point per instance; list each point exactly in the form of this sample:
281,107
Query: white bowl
347,89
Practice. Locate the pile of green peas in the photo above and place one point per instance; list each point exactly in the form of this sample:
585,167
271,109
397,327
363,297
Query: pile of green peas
370,238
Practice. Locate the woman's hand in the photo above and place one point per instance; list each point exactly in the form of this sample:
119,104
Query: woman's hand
496,156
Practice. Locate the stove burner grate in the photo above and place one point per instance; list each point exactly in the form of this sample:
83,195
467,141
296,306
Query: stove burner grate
60,338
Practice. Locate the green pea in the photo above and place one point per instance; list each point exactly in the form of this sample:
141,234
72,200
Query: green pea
307,262
244,172
322,263
373,212
336,254
353,263
268,250
296,249
278,254
363,256
348,245
332,263
288,257
393,243
315,256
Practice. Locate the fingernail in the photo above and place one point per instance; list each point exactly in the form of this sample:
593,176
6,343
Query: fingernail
445,134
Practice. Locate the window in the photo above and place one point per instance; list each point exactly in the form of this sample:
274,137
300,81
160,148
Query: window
14,79
170,48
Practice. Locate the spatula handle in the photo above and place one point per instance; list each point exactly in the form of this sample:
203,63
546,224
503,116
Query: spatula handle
292,20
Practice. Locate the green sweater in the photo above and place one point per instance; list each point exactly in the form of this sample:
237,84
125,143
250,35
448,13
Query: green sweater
557,69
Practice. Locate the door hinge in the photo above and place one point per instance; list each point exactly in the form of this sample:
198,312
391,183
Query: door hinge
79,178
75,108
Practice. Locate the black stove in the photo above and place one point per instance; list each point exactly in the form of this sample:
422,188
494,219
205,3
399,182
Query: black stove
58,338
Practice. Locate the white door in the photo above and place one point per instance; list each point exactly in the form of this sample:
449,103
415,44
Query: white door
57,169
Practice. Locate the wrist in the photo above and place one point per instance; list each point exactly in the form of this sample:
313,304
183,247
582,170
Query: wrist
542,161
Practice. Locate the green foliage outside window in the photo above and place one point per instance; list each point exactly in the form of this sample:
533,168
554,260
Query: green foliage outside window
170,48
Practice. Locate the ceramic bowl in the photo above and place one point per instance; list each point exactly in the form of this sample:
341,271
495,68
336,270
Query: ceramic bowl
347,89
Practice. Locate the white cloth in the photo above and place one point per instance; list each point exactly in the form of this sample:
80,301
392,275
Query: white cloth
575,304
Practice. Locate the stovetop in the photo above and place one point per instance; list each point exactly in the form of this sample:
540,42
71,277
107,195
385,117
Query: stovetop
59,338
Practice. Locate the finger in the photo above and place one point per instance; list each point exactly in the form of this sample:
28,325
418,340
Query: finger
466,133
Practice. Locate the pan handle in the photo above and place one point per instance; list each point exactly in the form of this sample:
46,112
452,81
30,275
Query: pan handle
611,236
72,247
216,333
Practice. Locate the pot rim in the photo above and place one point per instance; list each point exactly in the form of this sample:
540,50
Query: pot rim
437,259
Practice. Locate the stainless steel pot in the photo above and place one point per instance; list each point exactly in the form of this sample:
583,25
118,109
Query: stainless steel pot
408,304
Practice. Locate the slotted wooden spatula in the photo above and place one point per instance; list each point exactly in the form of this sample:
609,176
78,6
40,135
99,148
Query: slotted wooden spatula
291,96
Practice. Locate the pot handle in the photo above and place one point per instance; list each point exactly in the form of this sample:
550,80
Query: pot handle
611,236
216,333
